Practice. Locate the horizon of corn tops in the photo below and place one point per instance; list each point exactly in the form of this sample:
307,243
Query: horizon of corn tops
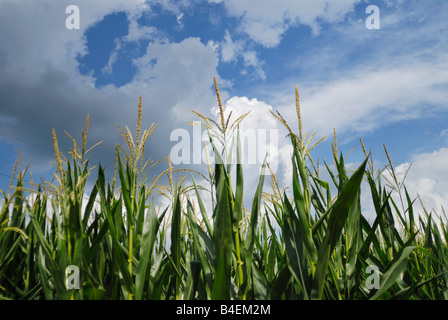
308,245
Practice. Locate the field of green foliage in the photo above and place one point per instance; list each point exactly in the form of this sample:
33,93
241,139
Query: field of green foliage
305,244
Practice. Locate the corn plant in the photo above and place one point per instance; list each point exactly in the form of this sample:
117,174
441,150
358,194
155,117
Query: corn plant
297,242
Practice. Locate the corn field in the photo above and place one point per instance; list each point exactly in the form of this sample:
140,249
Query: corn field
300,242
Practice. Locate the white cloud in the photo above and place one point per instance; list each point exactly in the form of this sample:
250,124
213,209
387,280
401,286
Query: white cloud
178,75
232,50
286,153
179,18
251,60
365,99
259,134
41,30
41,87
138,32
444,133
108,68
266,21
427,178
258,130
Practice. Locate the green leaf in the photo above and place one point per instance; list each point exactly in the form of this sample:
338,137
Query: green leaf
149,233
250,237
280,283
176,237
202,208
200,240
338,216
302,201
45,256
295,248
222,235
398,265
238,207
118,258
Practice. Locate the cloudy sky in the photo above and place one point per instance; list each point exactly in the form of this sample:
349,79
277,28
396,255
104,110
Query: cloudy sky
386,85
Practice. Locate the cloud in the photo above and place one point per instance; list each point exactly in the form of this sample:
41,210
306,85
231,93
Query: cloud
251,59
258,131
232,50
444,133
138,32
397,74
356,80
108,69
260,135
41,31
178,75
365,98
266,21
368,100
426,176
41,87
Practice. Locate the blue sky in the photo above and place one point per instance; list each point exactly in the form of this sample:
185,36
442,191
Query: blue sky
386,86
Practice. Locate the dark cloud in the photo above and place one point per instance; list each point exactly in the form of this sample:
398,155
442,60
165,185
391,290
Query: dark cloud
41,88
